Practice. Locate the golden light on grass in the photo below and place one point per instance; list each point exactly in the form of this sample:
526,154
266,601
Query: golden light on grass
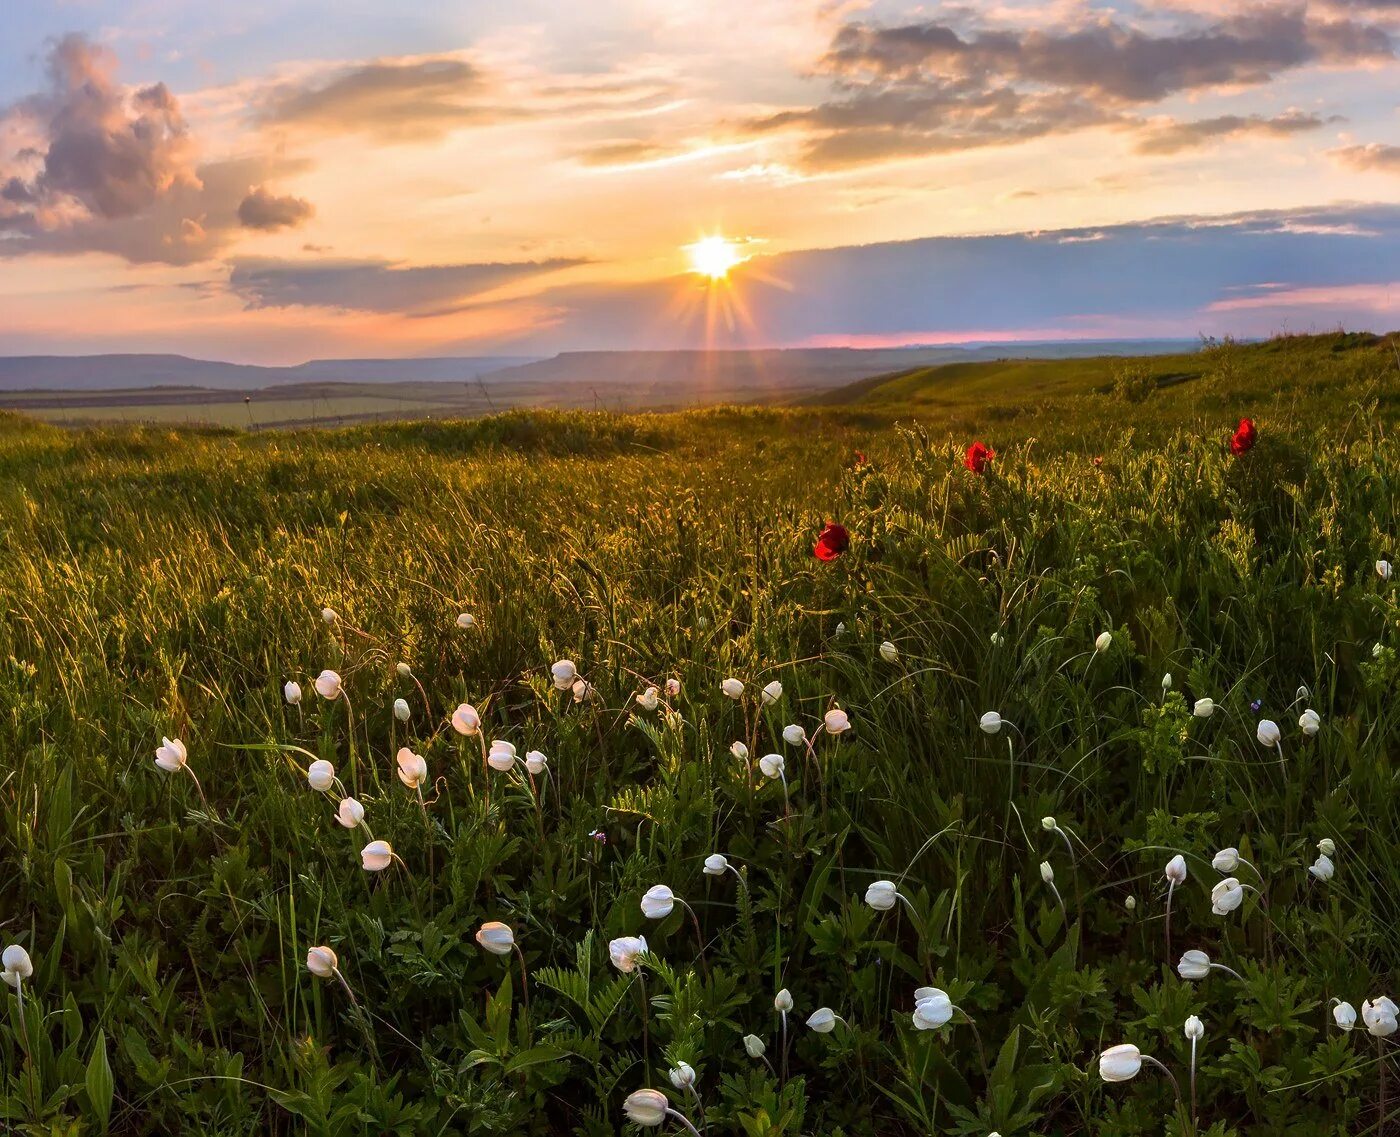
713,257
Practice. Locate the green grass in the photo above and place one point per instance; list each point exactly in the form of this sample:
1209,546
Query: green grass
162,582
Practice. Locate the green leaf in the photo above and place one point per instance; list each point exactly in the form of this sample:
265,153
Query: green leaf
100,1084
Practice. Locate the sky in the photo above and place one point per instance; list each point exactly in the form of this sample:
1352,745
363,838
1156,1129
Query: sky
280,180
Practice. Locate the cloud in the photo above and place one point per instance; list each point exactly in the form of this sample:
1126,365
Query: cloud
263,210
927,87
375,286
1374,156
1174,137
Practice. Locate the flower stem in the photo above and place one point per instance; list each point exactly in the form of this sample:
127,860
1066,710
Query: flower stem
683,1120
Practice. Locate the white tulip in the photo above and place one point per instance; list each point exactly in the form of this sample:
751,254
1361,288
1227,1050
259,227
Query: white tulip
1176,870
881,895
563,673
1310,722
1380,1017
771,693
413,768
1226,861
649,699
682,1076
1105,639
501,756
822,1020
16,965
1383,569
1204,708
658,902
1194,1029
794,735
715,865
291,691
1193,964
171,755
466,621
329,615
1344,1015
772,765
754,1046
377,856
1120,1063
673,688
991,722
1268,733
495,937
350,813
836,721
732,688
401,711
933,1010
888,652
321,962
782,1001
625,951
1327,847
328,685
465,720
320,775
1226,896
740,751
1322,868
535,762
647,1108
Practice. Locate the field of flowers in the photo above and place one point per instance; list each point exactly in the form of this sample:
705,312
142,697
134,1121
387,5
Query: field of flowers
564,773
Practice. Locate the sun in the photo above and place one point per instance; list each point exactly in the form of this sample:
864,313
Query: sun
713,257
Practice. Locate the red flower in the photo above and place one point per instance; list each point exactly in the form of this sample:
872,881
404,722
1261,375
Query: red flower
1244,437
1098,461
978,457
861,459
833,541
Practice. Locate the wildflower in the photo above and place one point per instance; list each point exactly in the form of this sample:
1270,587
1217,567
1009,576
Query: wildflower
978,457
1226,896
991,722
794,735
626,951
1130,904
413,768
882,895
1344,1015
401,711
1203,708
465,720
16,965
772,765
1254,705
291,691
1322,868
832,541
1268,733
732,688
1380,1016
1195,964
466,621
350,813
836,721
673,688
322,962
1226,861
1047,874
328,685
1176,870
649,699
657,902
495,937
840,628
782,1001
682,1076
1383,570
535,762
1194,1029
171,755
501,755
563,673
377,856
1327,847
771,693
405,672
715,865
997,639
1104,641
888,652
754,1046
599,836
932,1008
1120,1063
823,1020
320,775
739,750
1310,722
1166,682
1244,437
646,1107
329,615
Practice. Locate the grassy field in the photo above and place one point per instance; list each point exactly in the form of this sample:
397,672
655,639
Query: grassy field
167,583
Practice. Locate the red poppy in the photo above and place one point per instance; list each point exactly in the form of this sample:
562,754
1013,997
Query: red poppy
861,459
1244,437
979,455
832,542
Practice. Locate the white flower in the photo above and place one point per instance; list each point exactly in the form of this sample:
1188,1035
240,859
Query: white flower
1167,681
1379,1017
794,735
754,1046
563,673
1310,722
840,628
1322,868
1193,964
1194,1028
657,902
771,693
16,964
581,690
405,672
740,751
350,813
1383,569
1327,847
932,1008
881,895
649,699
1130,904
1268,732
715,865
625,951
465,720
466,621
535,762
1226,896
836,721
1049,824
291,691
1104,640
782,1001
673,688
1176,869
1204,708
401,711
413,768
495,937
171,755
328,684
321,962
991,722
1344,1015
888,652
646,1107
771,765
823,1020
997,639
1226,861
732,688
1120,1063
1047,874
682,1076
377,856
501,755
329,615
320,775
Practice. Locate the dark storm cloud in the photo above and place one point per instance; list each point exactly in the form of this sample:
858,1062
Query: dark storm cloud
1172,138
373,286
264,210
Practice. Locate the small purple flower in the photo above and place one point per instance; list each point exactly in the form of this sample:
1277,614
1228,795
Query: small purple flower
1254,706
599,836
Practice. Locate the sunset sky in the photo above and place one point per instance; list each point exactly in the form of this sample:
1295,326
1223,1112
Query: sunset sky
276,181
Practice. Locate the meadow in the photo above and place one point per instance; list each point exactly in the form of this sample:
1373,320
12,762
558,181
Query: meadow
990,776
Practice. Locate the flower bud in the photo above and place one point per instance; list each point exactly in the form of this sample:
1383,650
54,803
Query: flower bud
1226,896
1204,708
794,735
1103,642
328,685
657,902
881,895
715,865
1193,964
1344,1015
646,1108
754,1046
991,722
771,693
1194,1029
822,1020
782,1001
321,962
1176,869
772,765
888,652
291,691
836,721
563,674
495,937
401,711
320,775
732,688
1120,1063
1268,733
